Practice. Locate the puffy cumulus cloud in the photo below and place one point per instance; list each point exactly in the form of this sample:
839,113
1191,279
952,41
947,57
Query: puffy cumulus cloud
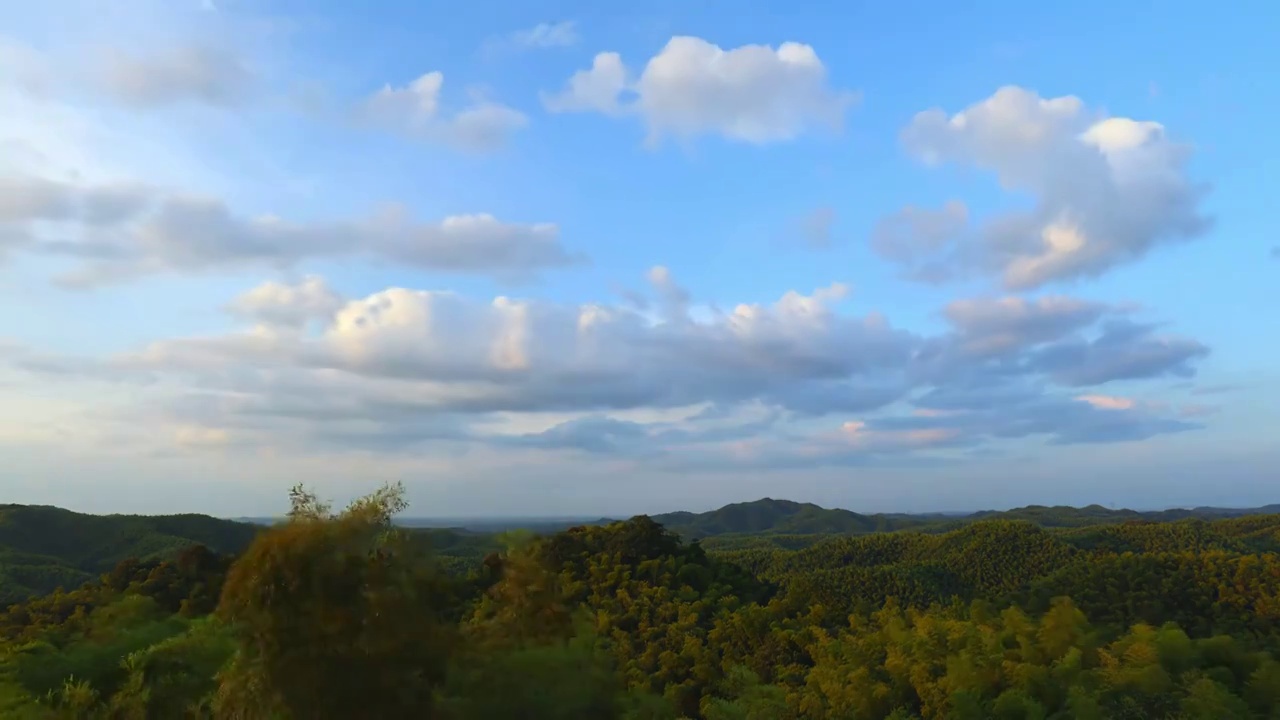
597,89
796,381
1107,190
121,231
511,355
210,75
415,110
283,305
754,93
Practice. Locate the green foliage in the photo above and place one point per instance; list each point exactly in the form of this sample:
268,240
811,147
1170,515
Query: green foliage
557,679
1046,613
44,548
782,517
338,616
746,522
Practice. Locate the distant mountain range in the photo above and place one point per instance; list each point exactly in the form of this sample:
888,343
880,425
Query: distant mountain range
787,517
43,547
792,518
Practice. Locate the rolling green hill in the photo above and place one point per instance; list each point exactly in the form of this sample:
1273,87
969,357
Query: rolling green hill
42,548
806,520
1040,612
784,517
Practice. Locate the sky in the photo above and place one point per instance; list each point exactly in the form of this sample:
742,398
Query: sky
579,258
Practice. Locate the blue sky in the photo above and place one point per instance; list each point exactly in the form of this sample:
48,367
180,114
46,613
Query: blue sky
546,258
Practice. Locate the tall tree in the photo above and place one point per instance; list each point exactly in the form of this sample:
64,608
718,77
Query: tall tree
337,615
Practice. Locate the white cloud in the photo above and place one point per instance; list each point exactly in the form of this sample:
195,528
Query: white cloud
1107,191
547,35
597,89
457,355
754,93
279,304
215,71
184,73
775,382
121,231
415,110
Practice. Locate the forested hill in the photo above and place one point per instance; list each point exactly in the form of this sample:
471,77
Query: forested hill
346,617
784,517
43,547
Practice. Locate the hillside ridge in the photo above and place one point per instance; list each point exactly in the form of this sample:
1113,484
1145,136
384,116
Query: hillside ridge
43,547
773,516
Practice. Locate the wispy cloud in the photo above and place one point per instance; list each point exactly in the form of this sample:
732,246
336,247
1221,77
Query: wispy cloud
547,35
543,36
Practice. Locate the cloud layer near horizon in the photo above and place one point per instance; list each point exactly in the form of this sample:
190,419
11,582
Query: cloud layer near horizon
664,378
795,381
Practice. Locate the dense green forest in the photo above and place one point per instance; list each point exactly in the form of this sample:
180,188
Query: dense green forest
756,611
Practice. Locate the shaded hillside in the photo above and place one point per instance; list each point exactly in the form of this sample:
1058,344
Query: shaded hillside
1191,569
784,517
997,618
769,517
42,548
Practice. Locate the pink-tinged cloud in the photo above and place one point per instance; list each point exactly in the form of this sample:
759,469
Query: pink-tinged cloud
1108,402
931,436
853,428
934,412
855,433
744,449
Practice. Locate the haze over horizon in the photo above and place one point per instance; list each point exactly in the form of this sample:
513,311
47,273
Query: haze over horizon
567,260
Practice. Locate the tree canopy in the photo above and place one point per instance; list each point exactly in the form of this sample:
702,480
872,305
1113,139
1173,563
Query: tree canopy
343,614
